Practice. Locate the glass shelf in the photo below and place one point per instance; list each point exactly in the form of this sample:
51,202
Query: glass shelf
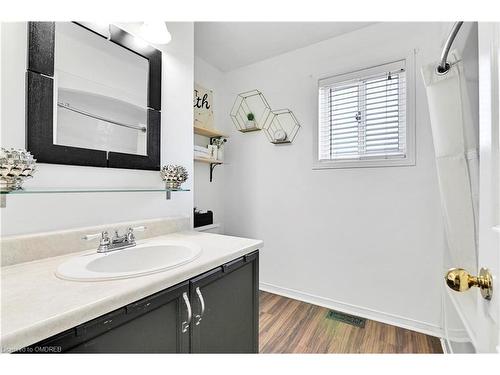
66,190
59,190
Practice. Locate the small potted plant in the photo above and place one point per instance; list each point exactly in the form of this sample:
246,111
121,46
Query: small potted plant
219,142
250,124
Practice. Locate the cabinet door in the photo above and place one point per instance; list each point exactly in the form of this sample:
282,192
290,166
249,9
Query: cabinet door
151,325
229,295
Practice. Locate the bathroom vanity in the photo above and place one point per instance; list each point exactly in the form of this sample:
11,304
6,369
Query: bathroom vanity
81,290
207,305
215,312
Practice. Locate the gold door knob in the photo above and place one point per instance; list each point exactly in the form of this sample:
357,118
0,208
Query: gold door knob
460,280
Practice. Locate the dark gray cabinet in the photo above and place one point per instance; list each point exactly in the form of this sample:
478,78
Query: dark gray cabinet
155,325
229,323
151,325
215,312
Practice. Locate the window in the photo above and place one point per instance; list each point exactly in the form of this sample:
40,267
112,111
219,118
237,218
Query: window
363,118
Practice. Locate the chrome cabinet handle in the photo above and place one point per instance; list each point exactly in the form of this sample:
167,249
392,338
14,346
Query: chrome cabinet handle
202,304
185,325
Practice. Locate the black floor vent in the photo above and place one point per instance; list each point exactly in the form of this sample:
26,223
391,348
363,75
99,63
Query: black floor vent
346,318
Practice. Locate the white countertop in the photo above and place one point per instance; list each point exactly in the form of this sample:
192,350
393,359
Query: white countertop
37,305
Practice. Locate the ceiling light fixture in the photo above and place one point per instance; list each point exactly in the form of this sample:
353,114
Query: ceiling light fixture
155,32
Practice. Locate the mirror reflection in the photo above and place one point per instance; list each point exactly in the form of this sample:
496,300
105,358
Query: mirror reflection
100,93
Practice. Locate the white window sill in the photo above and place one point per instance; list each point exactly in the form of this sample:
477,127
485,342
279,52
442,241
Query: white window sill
376,163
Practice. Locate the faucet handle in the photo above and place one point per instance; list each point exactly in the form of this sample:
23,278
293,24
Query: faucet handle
131,230
141,228
103,243
88,237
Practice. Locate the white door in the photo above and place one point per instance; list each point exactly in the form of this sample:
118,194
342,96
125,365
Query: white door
477,319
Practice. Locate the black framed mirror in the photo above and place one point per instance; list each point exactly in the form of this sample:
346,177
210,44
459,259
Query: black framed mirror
92,99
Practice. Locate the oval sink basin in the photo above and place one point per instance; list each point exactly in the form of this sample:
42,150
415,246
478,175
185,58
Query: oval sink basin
143,259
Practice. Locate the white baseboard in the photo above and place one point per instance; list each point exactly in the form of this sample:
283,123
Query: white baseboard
379,316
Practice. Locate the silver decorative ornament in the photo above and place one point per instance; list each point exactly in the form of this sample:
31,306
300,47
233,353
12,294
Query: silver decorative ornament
173,175
15,167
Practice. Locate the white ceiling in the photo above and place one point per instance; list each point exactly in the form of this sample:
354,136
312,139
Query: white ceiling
230,45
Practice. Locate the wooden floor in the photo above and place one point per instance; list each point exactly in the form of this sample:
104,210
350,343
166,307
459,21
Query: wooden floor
291,326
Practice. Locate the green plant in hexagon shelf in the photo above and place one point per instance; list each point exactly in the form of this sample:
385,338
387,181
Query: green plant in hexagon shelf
250,121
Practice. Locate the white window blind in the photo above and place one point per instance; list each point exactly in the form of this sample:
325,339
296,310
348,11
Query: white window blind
362,115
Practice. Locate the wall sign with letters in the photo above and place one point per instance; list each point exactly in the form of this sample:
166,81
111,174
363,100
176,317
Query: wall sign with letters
203,107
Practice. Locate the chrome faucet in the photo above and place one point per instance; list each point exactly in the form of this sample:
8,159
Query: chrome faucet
118,242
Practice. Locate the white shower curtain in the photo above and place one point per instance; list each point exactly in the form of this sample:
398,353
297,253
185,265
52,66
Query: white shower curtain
456,150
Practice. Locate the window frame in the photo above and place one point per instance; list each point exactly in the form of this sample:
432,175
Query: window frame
410,159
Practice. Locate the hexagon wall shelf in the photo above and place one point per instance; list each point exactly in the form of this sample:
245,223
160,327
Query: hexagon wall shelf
250,102
281,126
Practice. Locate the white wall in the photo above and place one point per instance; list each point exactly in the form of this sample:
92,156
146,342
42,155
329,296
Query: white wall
42,212
367,241
210,195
